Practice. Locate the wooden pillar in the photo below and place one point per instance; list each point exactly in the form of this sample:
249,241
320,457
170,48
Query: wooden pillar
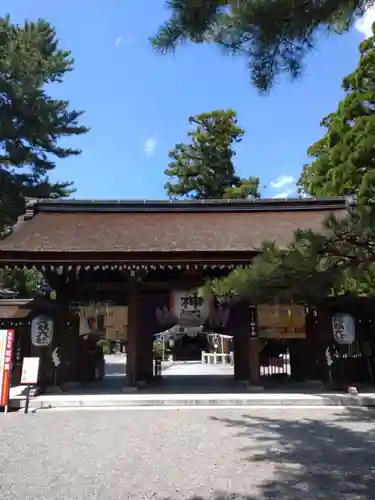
140,341
299,359
71,348
145,356
323,335
132,346
255,345
238,327
149,324
240,356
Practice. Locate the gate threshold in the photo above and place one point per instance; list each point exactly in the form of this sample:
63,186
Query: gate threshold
196,400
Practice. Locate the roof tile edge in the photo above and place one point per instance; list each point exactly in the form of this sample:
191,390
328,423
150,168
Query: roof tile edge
290,204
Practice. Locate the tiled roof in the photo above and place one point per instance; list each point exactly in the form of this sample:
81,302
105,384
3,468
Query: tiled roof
164,227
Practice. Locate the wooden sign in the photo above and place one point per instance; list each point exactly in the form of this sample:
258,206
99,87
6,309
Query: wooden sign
30,371
116,323
281,321
6,350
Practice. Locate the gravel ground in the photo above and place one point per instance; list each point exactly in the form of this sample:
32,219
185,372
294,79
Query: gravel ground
213,454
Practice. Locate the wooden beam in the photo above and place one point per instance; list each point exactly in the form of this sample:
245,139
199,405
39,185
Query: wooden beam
145,286
64,258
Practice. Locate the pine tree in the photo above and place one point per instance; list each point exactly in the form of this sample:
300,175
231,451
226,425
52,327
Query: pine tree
203,168
341,259
31,120
273,35
314,266
343,161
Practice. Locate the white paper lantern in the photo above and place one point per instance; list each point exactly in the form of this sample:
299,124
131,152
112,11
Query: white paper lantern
343,327
190,307
41,331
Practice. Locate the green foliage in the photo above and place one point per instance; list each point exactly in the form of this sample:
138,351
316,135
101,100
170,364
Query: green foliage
31,120
337,261
273,35
203,168
27,283
105,345
157,349
342,258
343,161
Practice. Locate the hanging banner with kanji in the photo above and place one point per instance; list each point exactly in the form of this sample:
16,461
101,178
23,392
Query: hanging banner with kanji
253,322
41,331
6,350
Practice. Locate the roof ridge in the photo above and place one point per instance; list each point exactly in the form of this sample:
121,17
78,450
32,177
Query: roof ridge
209,205
205,201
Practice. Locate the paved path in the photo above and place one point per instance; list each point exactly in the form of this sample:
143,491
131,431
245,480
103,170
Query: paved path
190,376
198,369
195,377
115,365
188,454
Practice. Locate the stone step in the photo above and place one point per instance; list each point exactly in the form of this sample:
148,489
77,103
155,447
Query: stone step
184,400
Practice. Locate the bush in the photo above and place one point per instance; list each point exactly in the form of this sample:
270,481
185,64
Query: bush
104,344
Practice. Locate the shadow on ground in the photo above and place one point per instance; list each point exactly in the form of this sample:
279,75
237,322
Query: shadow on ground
310,458
313,458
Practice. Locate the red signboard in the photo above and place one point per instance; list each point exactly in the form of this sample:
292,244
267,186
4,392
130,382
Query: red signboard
6,350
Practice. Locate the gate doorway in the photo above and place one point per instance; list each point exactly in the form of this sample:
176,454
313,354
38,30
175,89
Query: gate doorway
194,361
188,348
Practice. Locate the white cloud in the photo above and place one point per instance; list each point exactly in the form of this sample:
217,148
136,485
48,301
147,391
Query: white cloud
281,181
364,25
127,40
149,145
284,194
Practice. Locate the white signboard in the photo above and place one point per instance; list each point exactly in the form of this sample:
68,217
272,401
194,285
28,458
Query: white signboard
190,307
343,327
41,331
30,371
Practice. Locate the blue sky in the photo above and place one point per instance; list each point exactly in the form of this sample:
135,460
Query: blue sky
137,102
